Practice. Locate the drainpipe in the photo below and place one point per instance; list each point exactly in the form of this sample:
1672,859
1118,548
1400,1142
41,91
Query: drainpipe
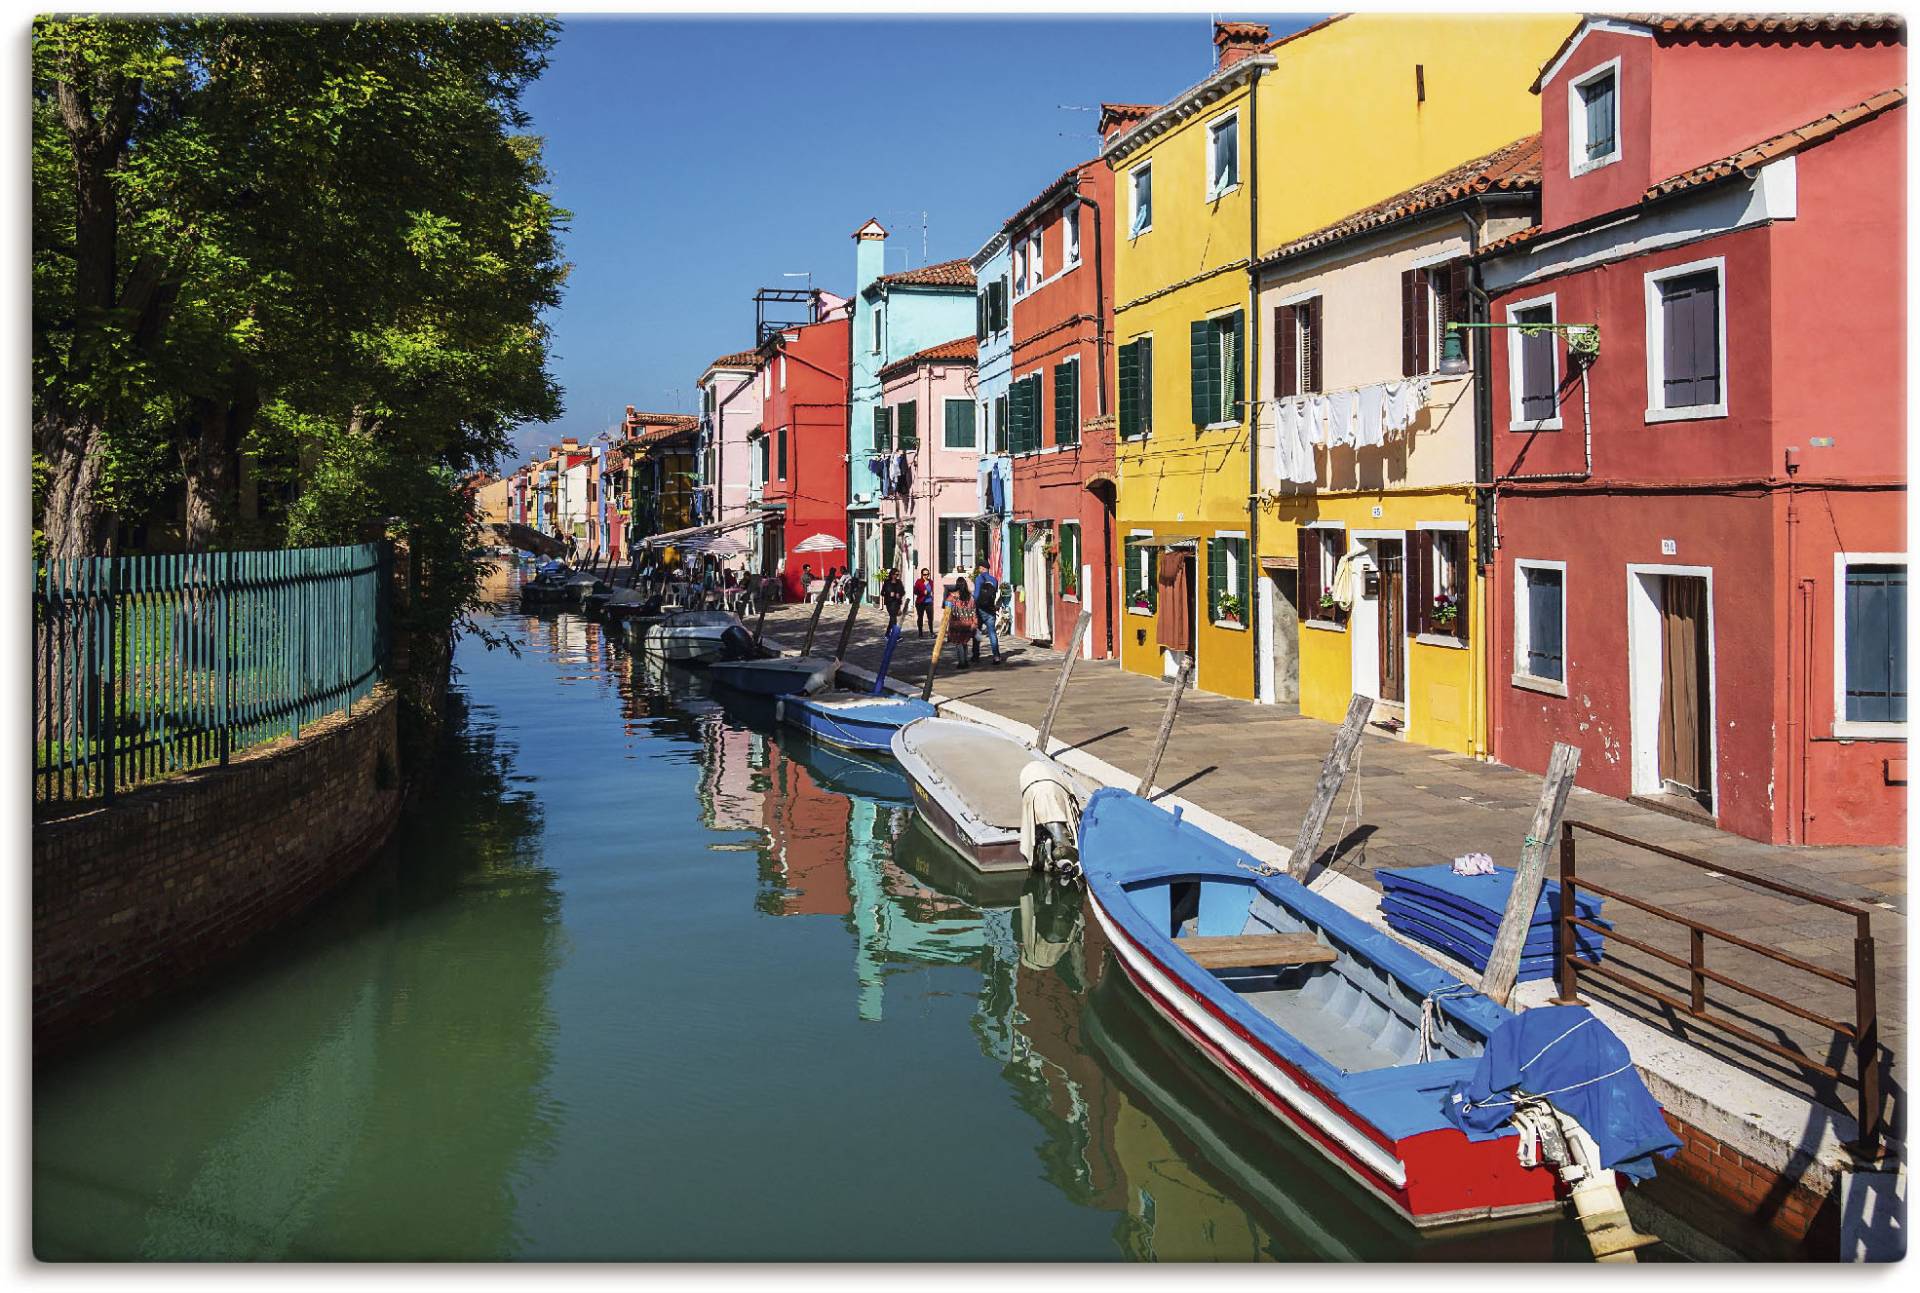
1483,502
1099,299
1253,370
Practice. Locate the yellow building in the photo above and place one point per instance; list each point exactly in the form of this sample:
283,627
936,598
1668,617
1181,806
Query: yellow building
1284,138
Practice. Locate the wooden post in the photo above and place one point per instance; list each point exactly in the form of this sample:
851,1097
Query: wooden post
1504,964
933,661
760,625
1180,678
826,586
1346,748
854,591
1060,686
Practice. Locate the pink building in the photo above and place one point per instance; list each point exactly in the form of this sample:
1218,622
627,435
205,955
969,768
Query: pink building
929,498
730,400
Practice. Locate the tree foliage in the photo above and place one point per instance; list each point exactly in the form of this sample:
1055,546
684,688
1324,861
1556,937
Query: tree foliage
326,245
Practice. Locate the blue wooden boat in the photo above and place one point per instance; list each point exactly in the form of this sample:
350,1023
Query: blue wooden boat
779,676
1313,1012
854,775
852,720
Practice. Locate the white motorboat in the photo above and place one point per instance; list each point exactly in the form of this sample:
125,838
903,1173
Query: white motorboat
966,784
689,637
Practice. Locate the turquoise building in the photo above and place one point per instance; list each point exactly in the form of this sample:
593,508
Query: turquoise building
993,328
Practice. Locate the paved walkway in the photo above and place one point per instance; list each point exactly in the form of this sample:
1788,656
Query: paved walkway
1410,805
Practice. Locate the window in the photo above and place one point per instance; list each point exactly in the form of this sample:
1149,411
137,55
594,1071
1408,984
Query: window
1593,119
781,453
1066,402
1036,261
1142,221
882,430
997,304
982,312
1431,297
1020,268
1227,580
1870,656
1136,388
1069,559
1321,548
783,372
997,441
1024,431
1540,625
876,330
1296,348
1534,360
959,432
1142,593
906,425
1223,155
1686,342
1215,369
1437,585
957,534
1070,236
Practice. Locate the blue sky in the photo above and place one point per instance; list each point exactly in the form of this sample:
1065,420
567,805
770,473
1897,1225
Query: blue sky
704,158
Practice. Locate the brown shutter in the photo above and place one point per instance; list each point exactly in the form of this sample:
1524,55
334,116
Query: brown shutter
1314,345
1463,585
1309,590
1418,559
1422,322
1409,349
1459,308
1286,353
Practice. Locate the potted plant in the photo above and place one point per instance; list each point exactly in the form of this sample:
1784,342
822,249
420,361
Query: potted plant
1227,609
1446,610
1069,583
1141,600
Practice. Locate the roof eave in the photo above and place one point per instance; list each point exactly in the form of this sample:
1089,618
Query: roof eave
1190,101
1397,226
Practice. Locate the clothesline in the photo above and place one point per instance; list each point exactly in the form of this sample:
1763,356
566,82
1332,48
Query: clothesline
1358,417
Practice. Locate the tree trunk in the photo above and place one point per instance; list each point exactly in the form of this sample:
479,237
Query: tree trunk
73,522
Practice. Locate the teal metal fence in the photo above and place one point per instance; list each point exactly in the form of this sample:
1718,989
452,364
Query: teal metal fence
147,666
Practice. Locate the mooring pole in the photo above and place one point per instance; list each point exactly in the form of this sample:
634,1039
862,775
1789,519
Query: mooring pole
1180,678
760,624
886,659
1060,685
1346,747
1503,965
933,661
826,586
854,591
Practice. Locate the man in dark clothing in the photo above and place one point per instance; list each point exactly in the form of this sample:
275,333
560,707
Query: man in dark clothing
986,599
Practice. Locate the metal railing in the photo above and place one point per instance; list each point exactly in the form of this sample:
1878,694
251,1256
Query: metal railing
148,666
1862,1033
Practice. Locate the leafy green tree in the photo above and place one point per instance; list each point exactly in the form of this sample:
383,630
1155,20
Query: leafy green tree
326,245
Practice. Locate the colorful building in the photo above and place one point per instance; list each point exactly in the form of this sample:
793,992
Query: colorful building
729,411
894,316
1698,426
1060,428
993,330
665,452
797,482
1320,123
1368,454
925,464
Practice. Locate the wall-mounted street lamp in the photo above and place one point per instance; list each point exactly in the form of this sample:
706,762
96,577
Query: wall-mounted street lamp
1583,342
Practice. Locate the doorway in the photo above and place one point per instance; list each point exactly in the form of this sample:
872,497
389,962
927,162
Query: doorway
1279,609
1179,612
1378,642
1670,667
1039,583
1392,610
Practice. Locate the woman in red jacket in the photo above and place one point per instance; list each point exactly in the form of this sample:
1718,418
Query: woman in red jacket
923,602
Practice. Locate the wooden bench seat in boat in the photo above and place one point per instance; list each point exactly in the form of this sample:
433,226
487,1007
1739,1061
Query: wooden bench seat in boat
1247,951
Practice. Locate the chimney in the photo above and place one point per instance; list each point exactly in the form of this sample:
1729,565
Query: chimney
1116,118
870,258
1236,40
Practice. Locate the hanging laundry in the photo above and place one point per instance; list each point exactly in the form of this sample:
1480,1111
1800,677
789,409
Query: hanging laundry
1305,471
904,483
900,471
1319,418
1372,432
1343,406
1404,402
1348,577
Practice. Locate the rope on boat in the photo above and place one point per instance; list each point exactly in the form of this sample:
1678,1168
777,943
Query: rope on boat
1430,1018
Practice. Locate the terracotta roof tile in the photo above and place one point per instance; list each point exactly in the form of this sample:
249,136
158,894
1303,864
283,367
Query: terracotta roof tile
1123,114
1817,131
1240,32
961,350
1305,31
1066,181
1686,26
738,359
948,273
1511,168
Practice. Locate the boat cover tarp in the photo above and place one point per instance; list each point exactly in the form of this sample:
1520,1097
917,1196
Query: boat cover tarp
1480,898
1461,914
864,721
1464,943
1567,1056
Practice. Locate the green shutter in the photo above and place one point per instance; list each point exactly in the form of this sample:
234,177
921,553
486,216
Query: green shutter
907,431
1017,554
960,424
882,430
1232,360
1143,393
1129,382
1204,371
998,441
1216,576
1066,402
1026,436
945,561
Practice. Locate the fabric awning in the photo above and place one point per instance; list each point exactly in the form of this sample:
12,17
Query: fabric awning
675,536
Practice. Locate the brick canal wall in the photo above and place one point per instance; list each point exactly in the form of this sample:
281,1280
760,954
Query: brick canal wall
169,881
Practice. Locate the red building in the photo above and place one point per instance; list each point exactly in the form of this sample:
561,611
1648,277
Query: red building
1060,429
798,452
1700,559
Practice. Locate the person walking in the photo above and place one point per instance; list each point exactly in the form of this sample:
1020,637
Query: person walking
923,602
894,594
961,618
986,600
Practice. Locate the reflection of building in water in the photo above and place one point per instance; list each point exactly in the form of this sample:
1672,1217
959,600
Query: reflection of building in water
732,780
499,584
806,854
1172,1214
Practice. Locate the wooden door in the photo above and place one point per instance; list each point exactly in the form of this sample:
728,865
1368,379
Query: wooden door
1686,703
1393,615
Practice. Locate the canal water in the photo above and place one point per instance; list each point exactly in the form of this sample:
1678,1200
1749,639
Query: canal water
645,977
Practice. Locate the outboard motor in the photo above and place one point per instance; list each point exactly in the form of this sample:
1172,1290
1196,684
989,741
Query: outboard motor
738,644
1048,813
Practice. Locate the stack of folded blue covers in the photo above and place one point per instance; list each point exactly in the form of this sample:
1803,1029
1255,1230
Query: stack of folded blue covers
1460,914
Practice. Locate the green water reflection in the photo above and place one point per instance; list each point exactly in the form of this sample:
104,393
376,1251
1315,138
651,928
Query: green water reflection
644,976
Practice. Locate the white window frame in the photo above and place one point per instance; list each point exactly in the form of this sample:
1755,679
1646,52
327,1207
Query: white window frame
1019,268
1465,578
1657,342
876,329
1322,531
1133,199
1151,574
946,400
1577,163
1036,259
966,523
1239,154
1515,385
1842,725
1523,629
1080,551
1246,398
1233,581
783,372
1070,236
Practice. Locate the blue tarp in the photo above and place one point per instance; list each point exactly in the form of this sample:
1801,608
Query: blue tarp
1478,897
1460,914
1566,1056
1474,948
